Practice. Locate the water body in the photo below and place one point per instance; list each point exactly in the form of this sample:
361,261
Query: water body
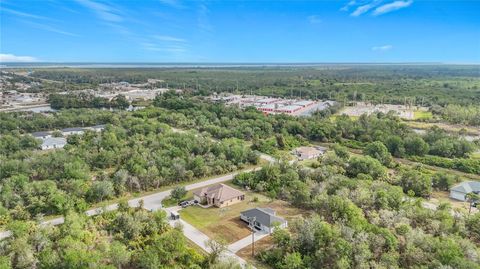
187,65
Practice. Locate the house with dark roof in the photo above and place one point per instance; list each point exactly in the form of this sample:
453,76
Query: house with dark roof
459,192
219,195
53,143
42,135
264,219
96,128
72,131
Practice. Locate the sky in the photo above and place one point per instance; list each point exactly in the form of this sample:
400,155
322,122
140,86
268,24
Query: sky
232,31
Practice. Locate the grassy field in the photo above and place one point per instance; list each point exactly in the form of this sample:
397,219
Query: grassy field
452,128
422,115
224,224
475,155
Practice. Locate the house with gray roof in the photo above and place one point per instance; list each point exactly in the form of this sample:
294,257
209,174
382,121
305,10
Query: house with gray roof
72,131
42,135
459,191
264,219
53,143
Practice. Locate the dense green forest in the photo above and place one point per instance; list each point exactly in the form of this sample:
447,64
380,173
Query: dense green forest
362,219
84,100
133,154
421,84
126,238
366,209
265,132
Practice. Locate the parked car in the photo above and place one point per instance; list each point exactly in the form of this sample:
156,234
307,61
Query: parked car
184,204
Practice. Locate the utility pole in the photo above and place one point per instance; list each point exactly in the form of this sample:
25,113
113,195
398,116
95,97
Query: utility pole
251,222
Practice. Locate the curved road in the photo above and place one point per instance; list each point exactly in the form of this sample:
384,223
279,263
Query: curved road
150,202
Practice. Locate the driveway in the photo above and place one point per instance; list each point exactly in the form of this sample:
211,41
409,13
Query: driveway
247,241
199,238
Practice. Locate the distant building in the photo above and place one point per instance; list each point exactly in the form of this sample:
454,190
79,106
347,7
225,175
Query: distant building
219,195
53,143
96,128
288,109
307,153
460,191
72,131
268,107
304,103
42,135
263,219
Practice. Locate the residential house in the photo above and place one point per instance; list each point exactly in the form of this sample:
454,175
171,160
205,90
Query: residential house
219,195
460,191
96,128
264,219
53,143
42,135
307,153
72,131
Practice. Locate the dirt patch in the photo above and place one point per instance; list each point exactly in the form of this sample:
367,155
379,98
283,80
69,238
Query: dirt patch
262,244
230,230
439,197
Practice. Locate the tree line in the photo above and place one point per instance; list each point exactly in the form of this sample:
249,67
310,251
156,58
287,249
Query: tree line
86,100
126,238
362,218
135,155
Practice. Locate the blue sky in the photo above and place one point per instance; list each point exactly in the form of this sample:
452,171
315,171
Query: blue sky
240,31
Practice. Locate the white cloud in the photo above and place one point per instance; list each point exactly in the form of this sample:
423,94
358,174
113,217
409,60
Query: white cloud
314,19
49,28
203,18
391,7
172,3
23,14
13,58
163,48
364,8
169,38
382,48
103,11
348,5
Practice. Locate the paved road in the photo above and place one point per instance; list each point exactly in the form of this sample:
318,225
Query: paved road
150,202
247,241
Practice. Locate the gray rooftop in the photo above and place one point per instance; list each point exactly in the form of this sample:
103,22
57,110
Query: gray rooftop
73,129
265,216
54,141
467,187
41,134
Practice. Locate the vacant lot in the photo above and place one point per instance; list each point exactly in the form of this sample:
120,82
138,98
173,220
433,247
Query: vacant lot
439,197
224,223
262,244
404,112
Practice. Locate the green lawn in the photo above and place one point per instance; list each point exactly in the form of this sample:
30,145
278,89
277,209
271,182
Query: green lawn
475,155
421,114
224,224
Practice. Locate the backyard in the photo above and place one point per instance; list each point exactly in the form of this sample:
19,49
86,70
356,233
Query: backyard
224,224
